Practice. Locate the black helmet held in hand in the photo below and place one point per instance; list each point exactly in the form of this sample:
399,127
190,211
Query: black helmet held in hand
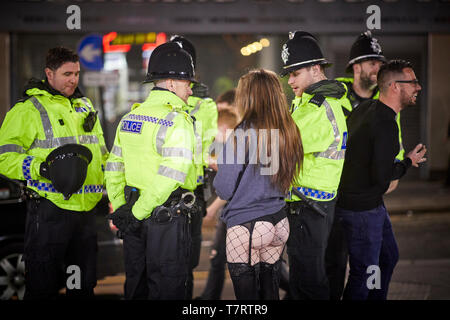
67,168
364,48
170,61
301,50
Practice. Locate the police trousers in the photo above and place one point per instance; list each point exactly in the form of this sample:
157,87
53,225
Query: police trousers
157,260
306,248
196,237
60,250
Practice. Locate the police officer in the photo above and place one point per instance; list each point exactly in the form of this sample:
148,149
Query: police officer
366,58
53,140
204,110
318,113
149,177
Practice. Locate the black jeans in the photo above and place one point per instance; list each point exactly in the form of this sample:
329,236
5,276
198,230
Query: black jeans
196,237
336,258
55,240
157,260
306,248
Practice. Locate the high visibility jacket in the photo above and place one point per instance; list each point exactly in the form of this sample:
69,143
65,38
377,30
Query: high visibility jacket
353,101
153,151
43,121
319,117
204,110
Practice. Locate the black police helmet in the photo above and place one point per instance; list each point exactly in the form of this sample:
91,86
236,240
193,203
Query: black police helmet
186,45
364,48
170,61
301,50
68,166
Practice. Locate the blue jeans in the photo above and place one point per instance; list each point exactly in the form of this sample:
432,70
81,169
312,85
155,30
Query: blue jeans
371,243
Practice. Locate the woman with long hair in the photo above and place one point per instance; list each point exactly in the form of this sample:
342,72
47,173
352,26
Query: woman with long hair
255,170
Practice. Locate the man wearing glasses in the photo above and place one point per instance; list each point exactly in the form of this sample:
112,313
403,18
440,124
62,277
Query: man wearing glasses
369,168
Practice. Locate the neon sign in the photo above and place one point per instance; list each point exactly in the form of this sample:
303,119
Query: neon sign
114,42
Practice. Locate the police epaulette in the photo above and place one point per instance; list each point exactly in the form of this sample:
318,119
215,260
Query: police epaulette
317,99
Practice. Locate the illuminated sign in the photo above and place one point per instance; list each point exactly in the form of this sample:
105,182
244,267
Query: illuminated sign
114,42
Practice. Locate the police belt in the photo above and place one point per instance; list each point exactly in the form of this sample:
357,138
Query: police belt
180,202
295,206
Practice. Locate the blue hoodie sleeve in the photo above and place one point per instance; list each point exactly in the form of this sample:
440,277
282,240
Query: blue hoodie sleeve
228,173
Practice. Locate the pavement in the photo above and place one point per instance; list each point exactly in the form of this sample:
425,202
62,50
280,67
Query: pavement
423,272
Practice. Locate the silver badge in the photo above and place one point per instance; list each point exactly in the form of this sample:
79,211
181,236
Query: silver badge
375,46
285,53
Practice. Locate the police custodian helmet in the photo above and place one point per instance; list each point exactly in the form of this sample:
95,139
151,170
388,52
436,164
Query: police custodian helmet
301,50
186,45
67,168
170,61
364,48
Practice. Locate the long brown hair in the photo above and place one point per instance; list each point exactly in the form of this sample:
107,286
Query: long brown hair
263,105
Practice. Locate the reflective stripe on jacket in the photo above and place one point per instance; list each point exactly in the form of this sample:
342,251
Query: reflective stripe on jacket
204,110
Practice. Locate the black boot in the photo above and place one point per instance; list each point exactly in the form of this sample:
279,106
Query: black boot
269,280
244,280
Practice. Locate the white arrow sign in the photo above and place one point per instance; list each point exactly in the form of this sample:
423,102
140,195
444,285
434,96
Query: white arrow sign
89,53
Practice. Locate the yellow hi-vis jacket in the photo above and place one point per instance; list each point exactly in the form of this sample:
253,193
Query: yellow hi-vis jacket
35,127
351,102
321,122
153,151
204,110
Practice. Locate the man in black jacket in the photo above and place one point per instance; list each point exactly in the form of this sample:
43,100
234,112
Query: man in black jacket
368,170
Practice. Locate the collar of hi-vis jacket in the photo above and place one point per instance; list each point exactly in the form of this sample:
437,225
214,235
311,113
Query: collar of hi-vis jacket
42,87
161,96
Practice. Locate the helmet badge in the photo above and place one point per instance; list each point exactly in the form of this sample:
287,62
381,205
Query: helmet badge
285,53
375,46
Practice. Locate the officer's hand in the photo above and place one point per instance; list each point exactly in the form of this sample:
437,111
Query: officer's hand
120,217
44,170
417,155
133,224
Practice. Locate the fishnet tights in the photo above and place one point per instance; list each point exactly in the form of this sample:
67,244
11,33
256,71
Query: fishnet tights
262,243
